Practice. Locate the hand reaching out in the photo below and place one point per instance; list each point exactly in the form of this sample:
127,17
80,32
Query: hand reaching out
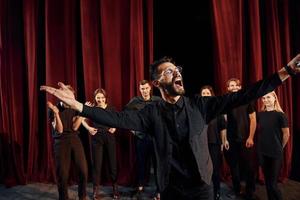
64,94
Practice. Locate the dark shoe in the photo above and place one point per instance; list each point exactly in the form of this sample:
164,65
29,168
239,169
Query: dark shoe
138,192
249,197
217,196
156,196
96,194
234,195
116,194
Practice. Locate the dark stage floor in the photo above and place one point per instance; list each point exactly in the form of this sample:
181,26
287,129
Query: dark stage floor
41,191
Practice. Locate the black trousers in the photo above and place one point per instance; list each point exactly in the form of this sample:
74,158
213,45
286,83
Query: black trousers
271,168
216,157
144,156
239,154
64,149
187,192
104,141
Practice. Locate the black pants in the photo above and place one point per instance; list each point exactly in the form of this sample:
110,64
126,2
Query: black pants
271,168
64,149
99,142
184,192
239,154
144,155
216,157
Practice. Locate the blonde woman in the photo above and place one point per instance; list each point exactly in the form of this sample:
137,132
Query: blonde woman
272,138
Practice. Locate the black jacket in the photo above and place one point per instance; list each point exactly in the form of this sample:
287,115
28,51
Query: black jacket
200,111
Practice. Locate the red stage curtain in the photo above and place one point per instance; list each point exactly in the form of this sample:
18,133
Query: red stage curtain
87,44
245,29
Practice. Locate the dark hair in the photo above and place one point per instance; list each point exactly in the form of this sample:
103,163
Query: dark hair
238,82
209,88
155,64
102,91
143,82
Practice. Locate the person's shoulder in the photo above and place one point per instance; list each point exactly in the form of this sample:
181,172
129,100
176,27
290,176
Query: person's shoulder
136,99
281,114
156,98
110,108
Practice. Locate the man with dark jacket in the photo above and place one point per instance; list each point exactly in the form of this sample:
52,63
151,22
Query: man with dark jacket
178,126
143,142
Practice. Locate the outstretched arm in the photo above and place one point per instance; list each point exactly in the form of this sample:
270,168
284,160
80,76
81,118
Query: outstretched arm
213,106
64,94
134,120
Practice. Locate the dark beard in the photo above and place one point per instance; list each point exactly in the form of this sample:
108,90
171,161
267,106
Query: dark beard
168,87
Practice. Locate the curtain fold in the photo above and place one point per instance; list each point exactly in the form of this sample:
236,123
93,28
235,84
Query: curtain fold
87,44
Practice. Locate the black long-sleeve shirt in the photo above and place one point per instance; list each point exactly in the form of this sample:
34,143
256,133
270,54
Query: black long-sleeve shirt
199,111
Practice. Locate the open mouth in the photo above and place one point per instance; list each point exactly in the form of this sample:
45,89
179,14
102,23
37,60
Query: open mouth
178,83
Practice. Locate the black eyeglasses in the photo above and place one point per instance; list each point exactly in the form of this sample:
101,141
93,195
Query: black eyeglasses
170,70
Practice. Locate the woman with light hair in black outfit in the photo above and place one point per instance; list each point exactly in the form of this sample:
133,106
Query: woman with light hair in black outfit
272,138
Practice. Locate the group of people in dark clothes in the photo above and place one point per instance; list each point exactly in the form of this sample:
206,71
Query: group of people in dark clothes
183,134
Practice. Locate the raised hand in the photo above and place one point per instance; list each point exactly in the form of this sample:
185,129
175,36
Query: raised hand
52,107
64,94
88,103
295,64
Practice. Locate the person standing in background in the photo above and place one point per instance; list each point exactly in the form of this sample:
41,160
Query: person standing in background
143,143
273,136
217,140
241,125
103,138
65,123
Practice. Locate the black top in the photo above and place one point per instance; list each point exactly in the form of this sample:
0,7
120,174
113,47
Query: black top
183,164
199,111
66,116
238,123
101,129
138,103
214,130
270,133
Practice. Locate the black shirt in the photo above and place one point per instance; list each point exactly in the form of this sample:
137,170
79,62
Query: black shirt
214,129
138,103
270,133
183,164
66,116
101,129
238,123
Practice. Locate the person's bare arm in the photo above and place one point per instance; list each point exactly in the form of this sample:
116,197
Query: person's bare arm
285,136
250,141
56,123
90,129
77,122
225,143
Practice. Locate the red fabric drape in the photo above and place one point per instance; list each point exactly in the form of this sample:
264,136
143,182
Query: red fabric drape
87,44
239,46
